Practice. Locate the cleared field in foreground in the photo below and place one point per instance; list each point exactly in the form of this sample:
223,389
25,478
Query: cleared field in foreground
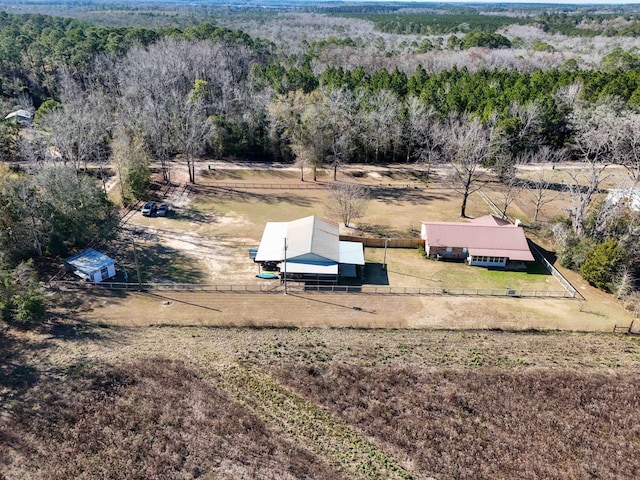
81,401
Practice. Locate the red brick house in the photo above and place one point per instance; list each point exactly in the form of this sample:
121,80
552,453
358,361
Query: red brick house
486,241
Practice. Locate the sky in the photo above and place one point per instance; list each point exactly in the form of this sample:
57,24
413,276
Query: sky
555,2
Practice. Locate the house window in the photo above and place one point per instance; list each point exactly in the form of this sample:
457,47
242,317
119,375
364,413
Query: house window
104,272
449,250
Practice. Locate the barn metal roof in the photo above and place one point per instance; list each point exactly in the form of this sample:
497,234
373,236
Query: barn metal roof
310,240
351,253
20,114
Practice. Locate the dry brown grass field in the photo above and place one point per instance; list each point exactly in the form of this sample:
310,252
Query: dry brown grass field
200,385
82,401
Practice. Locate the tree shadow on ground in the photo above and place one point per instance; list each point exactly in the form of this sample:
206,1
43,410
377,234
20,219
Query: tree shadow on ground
75,331
272,197
390,194
15,373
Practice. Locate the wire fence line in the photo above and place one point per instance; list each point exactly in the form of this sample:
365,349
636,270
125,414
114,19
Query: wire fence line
570,289
262,186
303,288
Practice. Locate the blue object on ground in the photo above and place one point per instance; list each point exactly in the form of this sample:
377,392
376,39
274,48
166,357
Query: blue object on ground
267,275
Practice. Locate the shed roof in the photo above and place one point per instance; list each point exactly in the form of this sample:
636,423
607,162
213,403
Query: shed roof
20,114
351,253
315,236
89,261
480,238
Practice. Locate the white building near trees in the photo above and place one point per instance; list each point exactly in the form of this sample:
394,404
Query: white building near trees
309,249
91,265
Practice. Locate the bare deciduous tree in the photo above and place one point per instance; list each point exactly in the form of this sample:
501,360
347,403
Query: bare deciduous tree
423,142
511,189
542,189
627,145
467,144
378,123
347,201
342,106
595,131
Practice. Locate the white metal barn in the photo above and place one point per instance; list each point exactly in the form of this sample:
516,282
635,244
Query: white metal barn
91,265
309,249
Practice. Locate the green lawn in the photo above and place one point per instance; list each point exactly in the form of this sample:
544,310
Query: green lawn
407,267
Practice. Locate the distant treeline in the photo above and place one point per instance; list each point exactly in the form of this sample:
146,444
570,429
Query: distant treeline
34,47
580,23
458,90
438,24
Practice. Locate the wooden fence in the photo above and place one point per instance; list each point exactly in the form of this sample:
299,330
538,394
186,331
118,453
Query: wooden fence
262,186
382,242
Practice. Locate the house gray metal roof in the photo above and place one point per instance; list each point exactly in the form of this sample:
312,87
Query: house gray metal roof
480,238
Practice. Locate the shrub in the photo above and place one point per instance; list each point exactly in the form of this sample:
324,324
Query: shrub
20,295
30,307
602,263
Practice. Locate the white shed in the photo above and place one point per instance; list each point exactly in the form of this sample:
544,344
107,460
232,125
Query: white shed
20,116
91,265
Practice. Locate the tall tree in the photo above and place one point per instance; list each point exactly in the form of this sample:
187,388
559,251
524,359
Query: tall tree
379,125
423,143
131,162
75,210
191,127
342,107
304,120
467,144
595,129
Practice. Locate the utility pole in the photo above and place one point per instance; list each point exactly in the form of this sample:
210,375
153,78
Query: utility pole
135,258
384,261
284,278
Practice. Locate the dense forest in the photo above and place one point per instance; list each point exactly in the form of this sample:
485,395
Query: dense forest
118,98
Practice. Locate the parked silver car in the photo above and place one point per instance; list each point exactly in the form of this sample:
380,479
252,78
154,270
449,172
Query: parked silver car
149,208
163,210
